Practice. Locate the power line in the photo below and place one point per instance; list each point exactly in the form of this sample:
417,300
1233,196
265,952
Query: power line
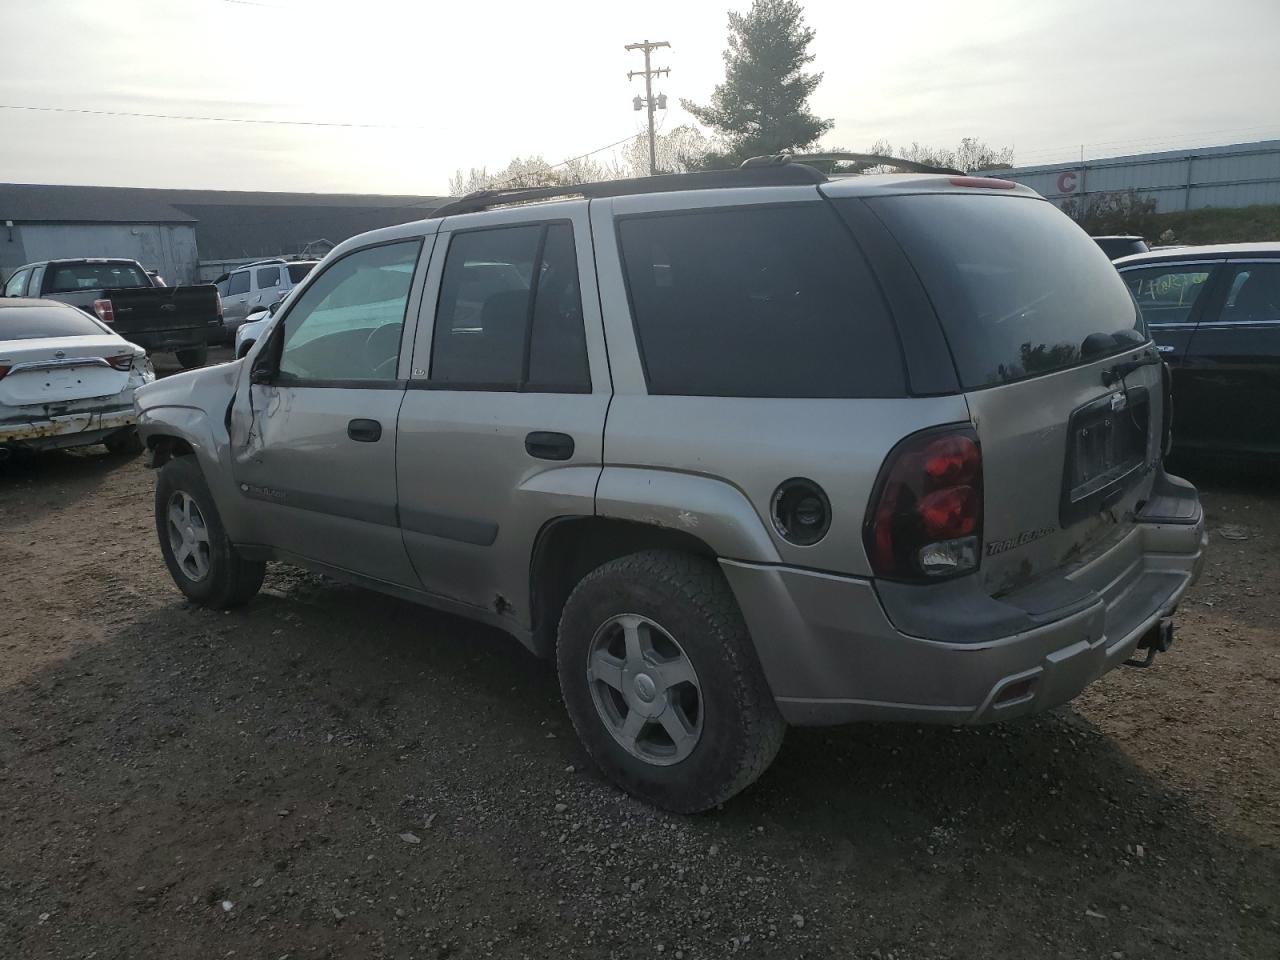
175,116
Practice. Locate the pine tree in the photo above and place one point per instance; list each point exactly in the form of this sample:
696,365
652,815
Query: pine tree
763,105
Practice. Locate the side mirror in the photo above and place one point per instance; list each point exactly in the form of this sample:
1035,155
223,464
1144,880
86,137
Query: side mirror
261,374
271,310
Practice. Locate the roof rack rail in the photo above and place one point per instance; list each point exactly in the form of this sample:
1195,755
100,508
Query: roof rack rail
860,161
774,175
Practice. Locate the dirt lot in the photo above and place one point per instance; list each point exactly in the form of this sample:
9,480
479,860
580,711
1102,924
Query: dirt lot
329,772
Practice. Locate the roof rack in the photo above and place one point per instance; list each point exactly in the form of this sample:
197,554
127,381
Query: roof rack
860,161
753,175
774,170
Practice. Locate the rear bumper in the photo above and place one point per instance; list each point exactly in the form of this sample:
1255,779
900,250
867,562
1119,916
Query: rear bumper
68,430
832,654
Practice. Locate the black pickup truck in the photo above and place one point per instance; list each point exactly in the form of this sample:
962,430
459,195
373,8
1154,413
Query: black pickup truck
121,294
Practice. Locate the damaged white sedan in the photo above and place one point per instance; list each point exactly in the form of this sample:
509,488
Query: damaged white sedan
66,379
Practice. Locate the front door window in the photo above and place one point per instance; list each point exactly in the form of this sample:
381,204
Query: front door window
347,324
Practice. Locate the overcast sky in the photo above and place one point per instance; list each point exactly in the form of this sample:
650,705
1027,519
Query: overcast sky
475,84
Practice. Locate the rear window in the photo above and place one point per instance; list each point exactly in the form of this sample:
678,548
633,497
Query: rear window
1019,288
299,270
769,301
32,323
70,277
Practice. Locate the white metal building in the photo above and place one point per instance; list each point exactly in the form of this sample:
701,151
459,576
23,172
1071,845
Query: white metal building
1236,175
90,222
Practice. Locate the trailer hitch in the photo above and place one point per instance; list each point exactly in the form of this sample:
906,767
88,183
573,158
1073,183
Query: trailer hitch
1156,640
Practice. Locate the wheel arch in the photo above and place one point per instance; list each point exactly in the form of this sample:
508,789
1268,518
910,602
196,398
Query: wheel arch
568,548
163,447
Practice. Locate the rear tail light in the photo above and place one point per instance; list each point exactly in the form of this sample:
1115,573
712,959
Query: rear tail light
3,371
122,362
925,521
106,313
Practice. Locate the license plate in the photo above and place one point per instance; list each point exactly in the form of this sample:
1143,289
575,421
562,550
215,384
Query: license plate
1108,443
59,381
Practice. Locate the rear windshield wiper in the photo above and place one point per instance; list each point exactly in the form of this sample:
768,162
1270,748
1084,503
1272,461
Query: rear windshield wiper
1115,374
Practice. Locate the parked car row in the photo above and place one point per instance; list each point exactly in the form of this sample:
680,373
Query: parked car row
129,300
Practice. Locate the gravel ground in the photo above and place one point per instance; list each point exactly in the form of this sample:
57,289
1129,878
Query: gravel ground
329,772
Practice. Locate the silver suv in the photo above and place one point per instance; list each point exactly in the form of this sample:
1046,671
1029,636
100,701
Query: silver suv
736,449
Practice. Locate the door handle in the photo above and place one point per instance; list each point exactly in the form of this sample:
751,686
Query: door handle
546,445
364,431
1166,348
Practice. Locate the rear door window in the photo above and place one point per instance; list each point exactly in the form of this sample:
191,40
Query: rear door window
238,283
268,277
299,270
1167,294
510,312
1019,288
759,301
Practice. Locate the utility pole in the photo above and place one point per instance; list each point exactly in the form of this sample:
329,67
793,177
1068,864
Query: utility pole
647,100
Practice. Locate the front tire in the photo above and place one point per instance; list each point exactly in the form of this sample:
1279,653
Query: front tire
195,357
662,683
201,560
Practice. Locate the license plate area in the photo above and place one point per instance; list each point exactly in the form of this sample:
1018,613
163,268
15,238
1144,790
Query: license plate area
1106,449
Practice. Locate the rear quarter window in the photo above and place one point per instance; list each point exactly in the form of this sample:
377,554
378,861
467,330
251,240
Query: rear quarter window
299,270
1019,288
768,301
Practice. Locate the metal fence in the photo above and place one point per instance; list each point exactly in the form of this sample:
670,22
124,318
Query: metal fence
1236,175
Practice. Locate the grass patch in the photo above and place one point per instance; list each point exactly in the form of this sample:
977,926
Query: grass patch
1218,225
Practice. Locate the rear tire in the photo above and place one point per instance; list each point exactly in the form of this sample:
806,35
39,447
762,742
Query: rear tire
124,442
194,357
682,604
202,561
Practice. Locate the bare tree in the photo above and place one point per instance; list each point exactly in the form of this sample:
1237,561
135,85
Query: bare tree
971,154
533,171
680,150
